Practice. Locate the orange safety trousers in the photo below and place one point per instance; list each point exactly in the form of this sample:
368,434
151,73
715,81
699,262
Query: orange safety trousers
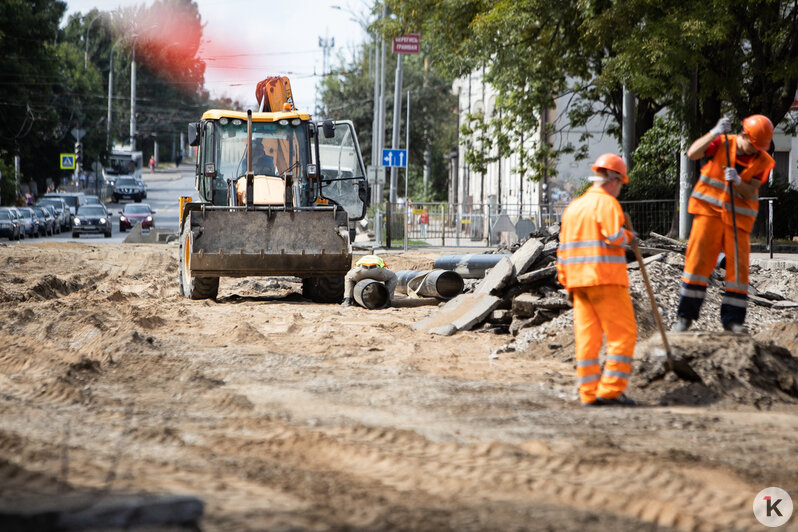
600,310
708,237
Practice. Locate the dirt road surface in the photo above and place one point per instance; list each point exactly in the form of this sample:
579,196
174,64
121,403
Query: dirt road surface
281,414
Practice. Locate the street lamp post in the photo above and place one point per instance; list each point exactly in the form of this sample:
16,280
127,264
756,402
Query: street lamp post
133,99
86,54
110,96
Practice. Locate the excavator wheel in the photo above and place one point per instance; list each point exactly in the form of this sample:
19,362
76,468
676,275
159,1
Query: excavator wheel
323,289
193,287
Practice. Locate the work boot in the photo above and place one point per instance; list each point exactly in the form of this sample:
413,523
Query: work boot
621,400
347,302
682,324
735,327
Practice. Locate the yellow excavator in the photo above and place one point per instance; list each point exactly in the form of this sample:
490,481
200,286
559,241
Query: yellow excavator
278,194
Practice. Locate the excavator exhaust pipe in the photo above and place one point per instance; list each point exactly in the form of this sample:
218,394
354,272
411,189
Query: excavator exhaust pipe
371,294
441,284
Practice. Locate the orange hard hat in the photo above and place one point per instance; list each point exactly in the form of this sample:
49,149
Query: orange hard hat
610,161
759,129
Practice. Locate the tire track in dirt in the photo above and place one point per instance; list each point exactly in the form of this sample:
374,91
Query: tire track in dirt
656,493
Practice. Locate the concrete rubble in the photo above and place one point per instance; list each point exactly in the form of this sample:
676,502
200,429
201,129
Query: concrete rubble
521,296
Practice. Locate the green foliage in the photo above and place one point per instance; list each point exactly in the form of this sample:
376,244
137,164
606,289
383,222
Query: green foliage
8,185
54,82
655,174
348,93
698,59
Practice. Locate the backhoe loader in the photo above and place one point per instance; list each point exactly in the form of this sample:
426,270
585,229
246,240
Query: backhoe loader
278,194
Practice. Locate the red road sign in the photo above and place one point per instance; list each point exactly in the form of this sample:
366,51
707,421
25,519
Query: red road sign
407,44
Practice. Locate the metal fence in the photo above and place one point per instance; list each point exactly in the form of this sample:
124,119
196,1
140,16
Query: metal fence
480,225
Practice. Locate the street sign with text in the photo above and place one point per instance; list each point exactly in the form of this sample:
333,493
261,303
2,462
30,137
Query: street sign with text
67,161
409,43
394,158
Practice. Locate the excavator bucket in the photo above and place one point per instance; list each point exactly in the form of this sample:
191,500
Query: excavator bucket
273,93
264,242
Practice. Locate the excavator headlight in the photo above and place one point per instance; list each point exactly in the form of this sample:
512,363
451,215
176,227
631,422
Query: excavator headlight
283,122
296,122
223,121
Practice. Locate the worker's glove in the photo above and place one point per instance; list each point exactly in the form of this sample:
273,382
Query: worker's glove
732,176
723,126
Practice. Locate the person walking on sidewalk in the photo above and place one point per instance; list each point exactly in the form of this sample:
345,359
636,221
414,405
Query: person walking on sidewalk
740,163
152,164
368,267
591,265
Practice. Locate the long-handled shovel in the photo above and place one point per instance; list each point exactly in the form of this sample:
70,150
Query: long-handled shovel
681,368
734,215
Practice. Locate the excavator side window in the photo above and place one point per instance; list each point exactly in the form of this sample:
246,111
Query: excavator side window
341,170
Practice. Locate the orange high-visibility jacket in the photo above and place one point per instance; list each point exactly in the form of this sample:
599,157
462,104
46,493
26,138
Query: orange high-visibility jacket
592,239
710,196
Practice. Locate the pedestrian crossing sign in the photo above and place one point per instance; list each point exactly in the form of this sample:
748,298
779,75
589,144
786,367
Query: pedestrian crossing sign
67,161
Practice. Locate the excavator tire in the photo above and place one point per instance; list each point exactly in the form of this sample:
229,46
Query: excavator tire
323,289
193,287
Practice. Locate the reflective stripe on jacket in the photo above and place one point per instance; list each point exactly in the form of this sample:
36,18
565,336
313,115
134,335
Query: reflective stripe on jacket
710,196
592,240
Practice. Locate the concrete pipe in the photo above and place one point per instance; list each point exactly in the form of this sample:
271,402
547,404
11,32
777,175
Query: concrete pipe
442,284
469,266
371,294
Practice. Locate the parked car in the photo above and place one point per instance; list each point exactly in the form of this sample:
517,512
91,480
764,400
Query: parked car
56,222
62,213
92,219
9,227
133,214
73,200
17,217
30,222
128,188
46,221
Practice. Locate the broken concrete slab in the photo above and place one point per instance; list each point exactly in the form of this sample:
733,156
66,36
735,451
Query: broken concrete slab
526,305
648,260
497,277
549,272
155,236
526,255
459,314
785,304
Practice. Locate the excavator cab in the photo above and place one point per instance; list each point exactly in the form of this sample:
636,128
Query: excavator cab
277,197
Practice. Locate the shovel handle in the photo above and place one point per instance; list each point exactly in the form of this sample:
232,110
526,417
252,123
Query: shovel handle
654,308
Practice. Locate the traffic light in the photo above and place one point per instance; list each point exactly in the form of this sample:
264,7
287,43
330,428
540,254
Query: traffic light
78,153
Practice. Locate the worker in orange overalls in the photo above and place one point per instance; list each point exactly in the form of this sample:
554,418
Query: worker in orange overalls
591,265
747,168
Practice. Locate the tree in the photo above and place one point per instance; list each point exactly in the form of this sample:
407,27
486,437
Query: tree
696,59
348,93
29,77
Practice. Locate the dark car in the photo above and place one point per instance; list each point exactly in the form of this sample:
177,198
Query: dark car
62,213
9,227
56,222
91,199
73,200
46,221
133,214
30,222
17,218
128,188
92,219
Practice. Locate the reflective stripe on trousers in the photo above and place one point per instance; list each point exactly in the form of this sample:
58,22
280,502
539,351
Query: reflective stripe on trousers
600,310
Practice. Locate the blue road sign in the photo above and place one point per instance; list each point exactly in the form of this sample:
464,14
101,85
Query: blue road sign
67,161
397,158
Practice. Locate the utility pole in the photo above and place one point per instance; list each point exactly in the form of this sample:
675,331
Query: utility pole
628,127
397,111
133,100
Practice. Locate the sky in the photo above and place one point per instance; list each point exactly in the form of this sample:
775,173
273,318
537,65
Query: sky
249,40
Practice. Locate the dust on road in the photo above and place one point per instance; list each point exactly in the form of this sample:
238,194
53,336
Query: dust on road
284,414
